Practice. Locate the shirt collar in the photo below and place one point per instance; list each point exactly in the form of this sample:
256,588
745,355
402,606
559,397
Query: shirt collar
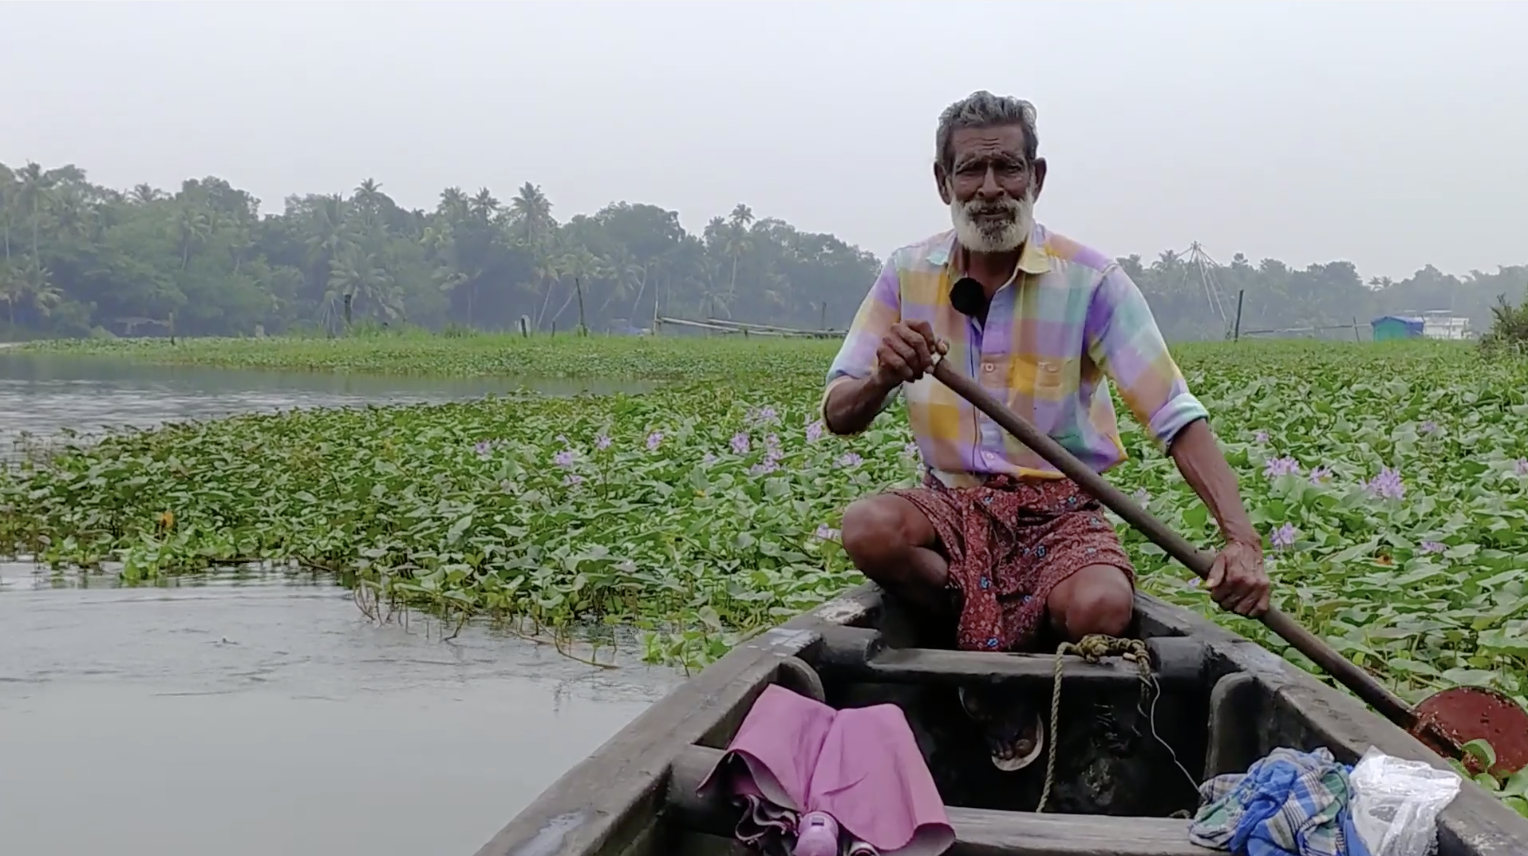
1033,259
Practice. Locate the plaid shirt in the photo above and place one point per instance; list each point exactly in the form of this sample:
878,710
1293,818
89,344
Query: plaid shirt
1068,317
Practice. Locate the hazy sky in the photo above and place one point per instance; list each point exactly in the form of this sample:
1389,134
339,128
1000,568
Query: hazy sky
1390,134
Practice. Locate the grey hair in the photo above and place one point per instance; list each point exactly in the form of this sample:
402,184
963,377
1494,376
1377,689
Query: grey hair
982,109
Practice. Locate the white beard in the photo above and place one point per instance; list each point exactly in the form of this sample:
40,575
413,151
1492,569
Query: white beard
993,236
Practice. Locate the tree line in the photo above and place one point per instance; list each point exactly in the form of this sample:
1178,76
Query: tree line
79,259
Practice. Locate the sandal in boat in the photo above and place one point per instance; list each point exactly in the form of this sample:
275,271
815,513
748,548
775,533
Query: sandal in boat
1015,736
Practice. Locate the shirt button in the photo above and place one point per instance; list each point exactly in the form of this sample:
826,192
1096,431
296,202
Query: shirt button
987,367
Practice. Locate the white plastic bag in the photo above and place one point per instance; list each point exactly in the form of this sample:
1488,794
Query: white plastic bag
1395,803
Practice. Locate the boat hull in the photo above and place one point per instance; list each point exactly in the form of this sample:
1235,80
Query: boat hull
1223,702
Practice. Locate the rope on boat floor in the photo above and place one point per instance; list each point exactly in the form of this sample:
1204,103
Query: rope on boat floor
1093,648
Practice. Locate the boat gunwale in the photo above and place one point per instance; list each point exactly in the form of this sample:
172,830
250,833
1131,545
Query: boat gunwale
618,793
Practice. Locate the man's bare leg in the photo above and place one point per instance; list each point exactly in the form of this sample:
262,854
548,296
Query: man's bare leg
892,543
1094,599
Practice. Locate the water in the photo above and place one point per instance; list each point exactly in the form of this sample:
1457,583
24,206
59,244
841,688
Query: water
266,714
43,395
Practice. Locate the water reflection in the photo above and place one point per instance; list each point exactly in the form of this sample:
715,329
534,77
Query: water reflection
43,395
274,718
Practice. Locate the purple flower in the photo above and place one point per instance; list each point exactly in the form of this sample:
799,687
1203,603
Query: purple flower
707,459
826,533
1141,495
767,465
1386,485
483,447
1433,547
1428,427
573,479
1320,474
1281,467
602,441
653,440
563,458
1283,536
1521,465
910,450
1261,436
849,459
814,431
772,444
740,444
763,415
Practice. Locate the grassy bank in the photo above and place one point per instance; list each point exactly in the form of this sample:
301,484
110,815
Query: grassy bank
477,355
1394,478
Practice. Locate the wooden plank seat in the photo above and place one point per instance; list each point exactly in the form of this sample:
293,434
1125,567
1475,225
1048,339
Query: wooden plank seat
859,654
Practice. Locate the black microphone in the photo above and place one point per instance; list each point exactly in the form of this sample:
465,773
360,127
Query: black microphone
969,298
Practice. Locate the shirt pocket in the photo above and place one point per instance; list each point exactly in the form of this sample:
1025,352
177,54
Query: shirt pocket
1040,378
1042,389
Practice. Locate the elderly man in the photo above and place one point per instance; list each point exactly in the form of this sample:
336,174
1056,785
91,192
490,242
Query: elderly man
996,538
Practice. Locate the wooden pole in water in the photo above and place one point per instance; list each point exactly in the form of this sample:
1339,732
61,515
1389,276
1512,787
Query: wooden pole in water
1236,335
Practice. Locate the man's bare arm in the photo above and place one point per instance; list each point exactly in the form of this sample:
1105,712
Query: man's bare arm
1205,469
902,356
854,404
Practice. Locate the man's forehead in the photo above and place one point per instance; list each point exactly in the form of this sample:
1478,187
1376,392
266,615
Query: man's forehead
986,142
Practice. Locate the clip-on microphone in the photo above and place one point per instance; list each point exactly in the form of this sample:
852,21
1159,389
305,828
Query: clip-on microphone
969,299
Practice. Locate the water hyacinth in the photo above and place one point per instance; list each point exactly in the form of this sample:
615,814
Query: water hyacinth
763,416
1386,485
1261,437
740,443
1428,427
1276,467
656,536
653,440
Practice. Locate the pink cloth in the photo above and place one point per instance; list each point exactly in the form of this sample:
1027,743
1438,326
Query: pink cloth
794,755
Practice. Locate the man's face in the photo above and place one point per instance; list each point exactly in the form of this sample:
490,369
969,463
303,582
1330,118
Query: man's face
991,188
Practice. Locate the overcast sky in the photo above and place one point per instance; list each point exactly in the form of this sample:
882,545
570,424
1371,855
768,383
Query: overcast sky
1389,134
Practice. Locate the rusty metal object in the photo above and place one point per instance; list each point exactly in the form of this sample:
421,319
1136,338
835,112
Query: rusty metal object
1461,714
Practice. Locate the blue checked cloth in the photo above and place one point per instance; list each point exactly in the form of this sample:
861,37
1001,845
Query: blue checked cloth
1288,804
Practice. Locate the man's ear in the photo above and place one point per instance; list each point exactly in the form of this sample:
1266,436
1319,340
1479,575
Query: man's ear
1040,169
941,183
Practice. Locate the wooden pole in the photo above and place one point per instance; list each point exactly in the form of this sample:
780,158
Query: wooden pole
1236,335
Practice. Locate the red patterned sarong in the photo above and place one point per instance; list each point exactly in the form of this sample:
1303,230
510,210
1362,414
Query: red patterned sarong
1008,543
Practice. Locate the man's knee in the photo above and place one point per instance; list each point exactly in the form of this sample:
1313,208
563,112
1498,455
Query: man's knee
877,530
1096,599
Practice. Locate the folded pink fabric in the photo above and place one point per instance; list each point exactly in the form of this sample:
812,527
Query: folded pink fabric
793,755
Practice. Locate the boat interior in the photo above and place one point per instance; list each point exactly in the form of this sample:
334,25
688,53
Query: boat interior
1130,752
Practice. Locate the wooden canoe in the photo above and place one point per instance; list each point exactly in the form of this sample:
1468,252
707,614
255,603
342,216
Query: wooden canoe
1224,702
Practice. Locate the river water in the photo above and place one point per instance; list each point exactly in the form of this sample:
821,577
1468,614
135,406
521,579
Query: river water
264,714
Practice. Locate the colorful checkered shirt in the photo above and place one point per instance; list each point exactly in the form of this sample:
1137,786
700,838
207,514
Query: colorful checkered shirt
1068,317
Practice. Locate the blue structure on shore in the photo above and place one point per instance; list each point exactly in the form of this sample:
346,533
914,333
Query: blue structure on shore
1396,327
